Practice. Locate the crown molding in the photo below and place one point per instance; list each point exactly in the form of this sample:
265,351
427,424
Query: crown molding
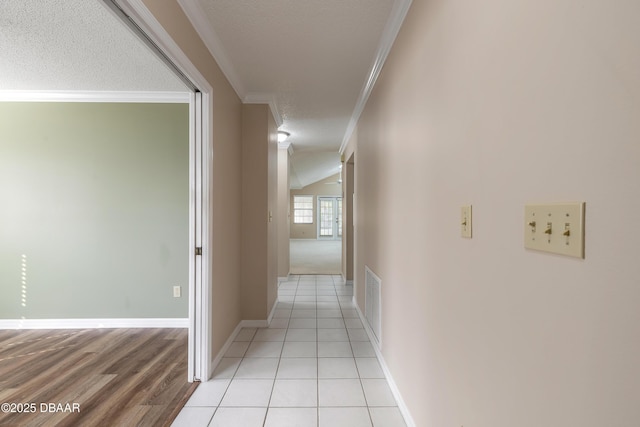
265,98
389,34
93,96
198,18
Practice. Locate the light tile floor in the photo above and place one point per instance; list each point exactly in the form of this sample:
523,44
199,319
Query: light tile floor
314,366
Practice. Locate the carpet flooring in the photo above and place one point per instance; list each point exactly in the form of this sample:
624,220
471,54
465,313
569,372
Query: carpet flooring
310,256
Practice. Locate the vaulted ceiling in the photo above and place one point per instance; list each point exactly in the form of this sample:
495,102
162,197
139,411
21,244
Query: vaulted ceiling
313,61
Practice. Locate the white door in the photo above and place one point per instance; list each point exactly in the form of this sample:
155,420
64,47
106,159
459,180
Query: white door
329,217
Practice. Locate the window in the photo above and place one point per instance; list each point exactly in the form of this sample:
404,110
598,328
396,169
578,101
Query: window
303,209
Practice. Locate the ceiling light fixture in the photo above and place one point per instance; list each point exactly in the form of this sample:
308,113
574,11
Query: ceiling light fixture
282,135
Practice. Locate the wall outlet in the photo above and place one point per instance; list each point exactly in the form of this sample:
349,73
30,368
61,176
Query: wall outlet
177,291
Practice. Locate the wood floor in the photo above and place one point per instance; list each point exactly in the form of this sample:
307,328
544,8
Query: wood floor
119,377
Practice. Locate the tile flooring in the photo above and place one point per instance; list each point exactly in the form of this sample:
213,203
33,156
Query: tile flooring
314,366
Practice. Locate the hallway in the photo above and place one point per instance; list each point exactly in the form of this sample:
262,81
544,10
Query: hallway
314,366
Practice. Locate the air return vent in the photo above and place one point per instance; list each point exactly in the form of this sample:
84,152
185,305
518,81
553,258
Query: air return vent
373,309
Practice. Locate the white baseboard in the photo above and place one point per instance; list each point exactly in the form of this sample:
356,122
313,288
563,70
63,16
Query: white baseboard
283,279
273,311
216,360
394,388
346,282
92,323
254,324
92,96
232,337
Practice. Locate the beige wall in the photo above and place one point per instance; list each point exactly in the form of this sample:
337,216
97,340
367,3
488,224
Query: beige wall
259,212
284,217
324,187
497,104
227,169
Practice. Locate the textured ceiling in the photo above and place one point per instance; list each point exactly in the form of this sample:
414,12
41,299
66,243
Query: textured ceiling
75,45
312,57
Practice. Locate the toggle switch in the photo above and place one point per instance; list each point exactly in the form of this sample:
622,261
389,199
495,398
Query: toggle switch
465,221
563,232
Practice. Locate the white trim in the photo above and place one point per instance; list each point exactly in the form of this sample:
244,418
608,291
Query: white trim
265,98
93,96
216,361
198,17
243,324
286,146
392,384
93,323
254,324
207,232
137,11
389,34
283,279
273,311
193,339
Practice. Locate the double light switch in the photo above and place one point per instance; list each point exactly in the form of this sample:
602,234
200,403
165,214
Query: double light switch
556,228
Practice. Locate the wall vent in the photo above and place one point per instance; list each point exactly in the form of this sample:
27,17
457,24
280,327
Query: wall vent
373,303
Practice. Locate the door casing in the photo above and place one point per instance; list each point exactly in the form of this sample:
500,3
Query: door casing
200,184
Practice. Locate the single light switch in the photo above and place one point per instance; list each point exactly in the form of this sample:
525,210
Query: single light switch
557,228
177,291
465,221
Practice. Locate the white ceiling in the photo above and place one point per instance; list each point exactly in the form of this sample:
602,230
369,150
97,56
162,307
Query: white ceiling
313,61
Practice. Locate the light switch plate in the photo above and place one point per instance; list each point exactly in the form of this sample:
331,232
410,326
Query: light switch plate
465,221
177,291
555,227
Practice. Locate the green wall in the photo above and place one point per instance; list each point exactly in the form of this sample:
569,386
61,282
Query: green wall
94,209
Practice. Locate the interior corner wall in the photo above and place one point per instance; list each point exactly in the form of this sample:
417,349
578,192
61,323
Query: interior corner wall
226,178
259,211
498,104
284,217
94,210
325,187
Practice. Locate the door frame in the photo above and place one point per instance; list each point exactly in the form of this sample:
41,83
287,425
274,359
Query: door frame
200,184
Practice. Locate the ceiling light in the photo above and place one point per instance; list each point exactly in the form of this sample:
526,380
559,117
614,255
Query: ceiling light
282,135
